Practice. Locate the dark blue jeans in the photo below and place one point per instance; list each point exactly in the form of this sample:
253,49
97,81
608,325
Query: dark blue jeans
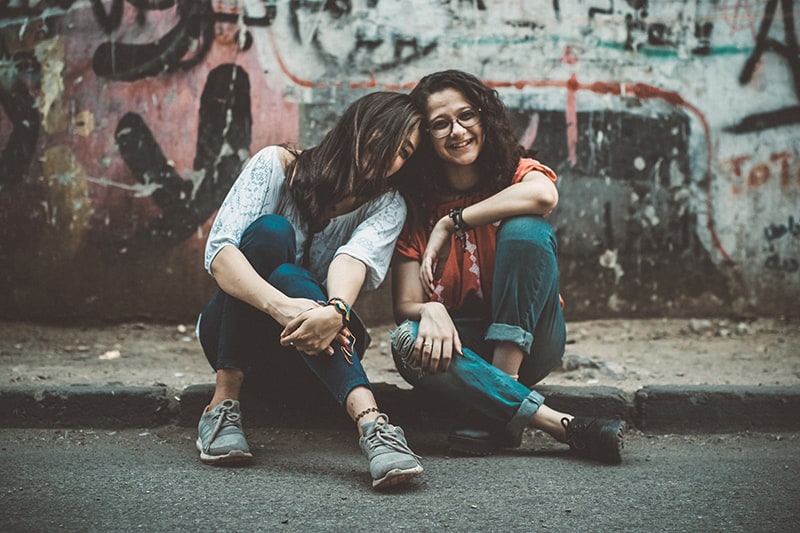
236,335
526,310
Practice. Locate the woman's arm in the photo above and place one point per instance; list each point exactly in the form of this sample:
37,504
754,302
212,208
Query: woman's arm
315,330
346,276
437,338
535,194
237,277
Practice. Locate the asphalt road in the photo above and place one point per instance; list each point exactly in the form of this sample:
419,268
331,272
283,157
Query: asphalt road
152,480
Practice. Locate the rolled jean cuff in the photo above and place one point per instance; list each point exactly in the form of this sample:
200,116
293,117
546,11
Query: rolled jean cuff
522,417
508,333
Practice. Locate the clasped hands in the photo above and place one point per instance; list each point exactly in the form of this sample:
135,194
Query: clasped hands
314,327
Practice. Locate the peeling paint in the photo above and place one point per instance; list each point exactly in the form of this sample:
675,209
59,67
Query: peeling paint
50,54
68,205
609,260
84,123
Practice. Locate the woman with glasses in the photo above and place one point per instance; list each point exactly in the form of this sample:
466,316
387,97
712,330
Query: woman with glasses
475,276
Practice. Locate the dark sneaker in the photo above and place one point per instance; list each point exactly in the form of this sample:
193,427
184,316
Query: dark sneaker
221,439
596,438
480,442
391,461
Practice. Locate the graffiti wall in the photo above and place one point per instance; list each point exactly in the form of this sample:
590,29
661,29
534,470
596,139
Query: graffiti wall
674,127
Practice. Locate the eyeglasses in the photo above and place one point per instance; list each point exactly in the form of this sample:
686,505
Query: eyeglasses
442,127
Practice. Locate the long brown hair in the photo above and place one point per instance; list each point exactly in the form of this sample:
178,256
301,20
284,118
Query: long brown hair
353,158
501,151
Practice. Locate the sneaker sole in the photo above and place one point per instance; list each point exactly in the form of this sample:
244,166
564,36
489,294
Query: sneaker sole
396,477
619,443
233,457
615,440
471,447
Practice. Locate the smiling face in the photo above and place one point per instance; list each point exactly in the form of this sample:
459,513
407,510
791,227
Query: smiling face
463,145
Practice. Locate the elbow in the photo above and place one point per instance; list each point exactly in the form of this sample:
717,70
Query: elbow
547,202
397,313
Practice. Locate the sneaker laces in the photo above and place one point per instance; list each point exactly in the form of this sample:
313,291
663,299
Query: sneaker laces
574,431
225,417
384,434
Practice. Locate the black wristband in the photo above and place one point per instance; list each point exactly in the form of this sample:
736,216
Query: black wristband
459,225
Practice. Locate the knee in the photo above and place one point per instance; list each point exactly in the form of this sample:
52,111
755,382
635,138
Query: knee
403,338
527,232
286,275
267,242
526,228
269,229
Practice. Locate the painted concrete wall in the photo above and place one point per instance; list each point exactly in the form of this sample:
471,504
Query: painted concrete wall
674,127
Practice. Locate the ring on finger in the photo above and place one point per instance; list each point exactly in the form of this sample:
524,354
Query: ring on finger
427,343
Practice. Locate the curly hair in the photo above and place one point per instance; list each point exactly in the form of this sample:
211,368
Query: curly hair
501,151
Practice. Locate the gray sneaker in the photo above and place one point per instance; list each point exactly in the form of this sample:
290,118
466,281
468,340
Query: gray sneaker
221,439
391,461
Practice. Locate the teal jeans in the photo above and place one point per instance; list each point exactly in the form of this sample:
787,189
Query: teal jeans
525,310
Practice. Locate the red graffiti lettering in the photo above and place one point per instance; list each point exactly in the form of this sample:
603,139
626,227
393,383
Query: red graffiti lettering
756,174
783,158
759,175
737,163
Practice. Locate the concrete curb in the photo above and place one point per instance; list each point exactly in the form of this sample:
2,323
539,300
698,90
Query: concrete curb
85,406
717,408
671,409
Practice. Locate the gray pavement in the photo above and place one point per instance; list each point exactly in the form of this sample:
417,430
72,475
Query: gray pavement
152,480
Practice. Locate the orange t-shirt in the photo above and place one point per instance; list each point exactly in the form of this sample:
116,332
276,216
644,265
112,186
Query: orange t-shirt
468,273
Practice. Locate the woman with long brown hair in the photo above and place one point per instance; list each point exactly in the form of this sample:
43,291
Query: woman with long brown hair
298,236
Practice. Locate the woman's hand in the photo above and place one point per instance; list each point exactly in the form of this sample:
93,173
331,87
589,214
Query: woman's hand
435,256
292,308
437,339
314,329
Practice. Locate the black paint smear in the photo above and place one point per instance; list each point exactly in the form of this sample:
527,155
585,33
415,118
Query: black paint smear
790,50
128,62
144,157
222,147
21,110
108,21
152,4
608,226
227,90
769,120
663,137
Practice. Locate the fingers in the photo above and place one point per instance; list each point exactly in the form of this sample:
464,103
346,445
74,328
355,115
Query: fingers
312,346
434,355
427,278
447,355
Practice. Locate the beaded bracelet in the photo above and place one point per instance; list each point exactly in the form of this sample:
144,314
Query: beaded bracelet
459,225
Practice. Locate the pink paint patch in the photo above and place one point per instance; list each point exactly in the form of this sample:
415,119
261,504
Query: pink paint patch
571,117
569,56
530,132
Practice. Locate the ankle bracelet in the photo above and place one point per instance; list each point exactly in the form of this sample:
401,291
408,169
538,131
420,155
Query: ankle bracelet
361,415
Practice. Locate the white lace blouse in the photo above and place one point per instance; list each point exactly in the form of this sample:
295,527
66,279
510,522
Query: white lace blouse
367,233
